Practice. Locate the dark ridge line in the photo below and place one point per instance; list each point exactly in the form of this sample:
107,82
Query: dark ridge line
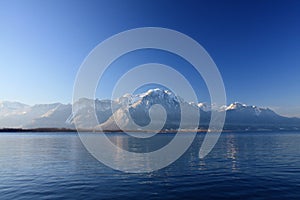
16,130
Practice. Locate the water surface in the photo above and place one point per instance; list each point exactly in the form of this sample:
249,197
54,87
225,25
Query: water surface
241,166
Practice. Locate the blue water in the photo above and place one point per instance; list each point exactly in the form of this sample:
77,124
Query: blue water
241,166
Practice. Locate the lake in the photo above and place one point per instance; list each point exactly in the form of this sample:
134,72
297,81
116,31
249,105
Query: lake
241,166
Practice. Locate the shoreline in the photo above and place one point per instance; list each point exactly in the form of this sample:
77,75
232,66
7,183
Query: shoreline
59,130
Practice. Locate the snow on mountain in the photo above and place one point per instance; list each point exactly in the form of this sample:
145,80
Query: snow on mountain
12,113
252,117
18,115
243,107
53,116
12,108
152,94
204,107
236,106
83,110
12,105
137,107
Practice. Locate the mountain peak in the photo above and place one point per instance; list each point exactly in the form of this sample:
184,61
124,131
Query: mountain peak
157,91
151,94
14,114
204,107
239,107
236,106
12,104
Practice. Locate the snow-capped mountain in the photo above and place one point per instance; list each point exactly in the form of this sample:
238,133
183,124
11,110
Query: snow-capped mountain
245,108
17,115
12,108
138,107
82,112
112,114
243,115
53,115
204,106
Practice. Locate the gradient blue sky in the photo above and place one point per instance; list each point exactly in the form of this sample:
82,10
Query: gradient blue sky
255,44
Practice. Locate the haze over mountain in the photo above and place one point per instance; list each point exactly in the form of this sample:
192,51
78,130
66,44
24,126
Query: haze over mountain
238,116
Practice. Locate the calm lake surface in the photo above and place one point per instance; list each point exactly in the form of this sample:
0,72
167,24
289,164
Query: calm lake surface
241,166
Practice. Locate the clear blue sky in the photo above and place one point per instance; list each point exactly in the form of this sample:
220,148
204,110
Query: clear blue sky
255,44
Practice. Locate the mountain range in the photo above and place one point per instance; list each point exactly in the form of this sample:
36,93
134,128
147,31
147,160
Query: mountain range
112,114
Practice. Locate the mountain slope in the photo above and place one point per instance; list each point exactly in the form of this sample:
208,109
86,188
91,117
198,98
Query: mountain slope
253,117
52,118
112,114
